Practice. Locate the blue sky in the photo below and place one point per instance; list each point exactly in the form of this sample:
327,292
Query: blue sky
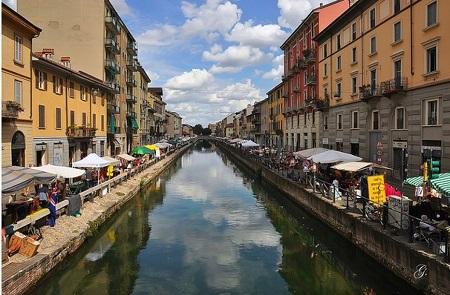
212,57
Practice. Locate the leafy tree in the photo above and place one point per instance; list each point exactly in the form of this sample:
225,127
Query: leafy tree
207,131
198,129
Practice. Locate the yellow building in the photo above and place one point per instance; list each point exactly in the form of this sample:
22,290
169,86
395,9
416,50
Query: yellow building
276,118
159,106
69,111
384,68
17,36
142,110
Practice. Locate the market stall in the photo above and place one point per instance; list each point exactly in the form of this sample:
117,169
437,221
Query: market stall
304,154
249,144
332,156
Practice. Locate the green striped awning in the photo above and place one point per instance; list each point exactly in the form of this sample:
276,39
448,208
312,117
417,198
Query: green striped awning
441,183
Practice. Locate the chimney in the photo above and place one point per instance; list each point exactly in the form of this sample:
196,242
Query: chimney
321,4
65,61
48,53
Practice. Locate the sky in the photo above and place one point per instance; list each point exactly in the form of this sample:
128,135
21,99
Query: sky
212,57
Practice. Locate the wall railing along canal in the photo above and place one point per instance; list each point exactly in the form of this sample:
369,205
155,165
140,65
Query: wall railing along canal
20,277
392,252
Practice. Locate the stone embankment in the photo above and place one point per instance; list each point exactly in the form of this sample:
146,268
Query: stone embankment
21,273
392,252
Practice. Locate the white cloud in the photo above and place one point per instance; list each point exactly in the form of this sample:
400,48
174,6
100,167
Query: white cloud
258,35
194,79
240,91
219,70
160,36
292,12
236,56
122,7
278,69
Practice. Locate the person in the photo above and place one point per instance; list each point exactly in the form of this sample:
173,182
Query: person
336,192
52,201
42,192
89,177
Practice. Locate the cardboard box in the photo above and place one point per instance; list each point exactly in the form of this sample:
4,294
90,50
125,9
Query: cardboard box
29,247
15,242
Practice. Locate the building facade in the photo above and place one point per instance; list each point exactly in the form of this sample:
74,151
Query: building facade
383,65
265,123
17,38
155,94
70,112
276,117
143,110
255,122
302,106
174,125
187,130
92,33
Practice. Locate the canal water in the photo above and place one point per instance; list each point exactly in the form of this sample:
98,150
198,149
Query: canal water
206,226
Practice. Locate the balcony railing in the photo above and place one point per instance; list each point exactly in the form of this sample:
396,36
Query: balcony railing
131,81
11,109
311,80
114,86
112,45
131,98
112,24
131,64
111,65
301,63
132,48
114,109
310,55
368,92
397,85
80,131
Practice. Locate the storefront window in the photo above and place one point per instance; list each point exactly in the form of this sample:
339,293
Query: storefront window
18,149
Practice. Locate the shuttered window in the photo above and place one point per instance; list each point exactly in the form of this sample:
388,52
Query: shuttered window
41,80
72,89
18,48
102,122
41,116
83,119
18,91
58,118
94,120
72,118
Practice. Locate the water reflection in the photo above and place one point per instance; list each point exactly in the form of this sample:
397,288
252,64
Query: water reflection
207,227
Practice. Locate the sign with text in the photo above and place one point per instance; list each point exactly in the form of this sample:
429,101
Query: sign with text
377,193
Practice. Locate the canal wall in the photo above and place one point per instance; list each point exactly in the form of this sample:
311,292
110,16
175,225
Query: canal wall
20,277
392,252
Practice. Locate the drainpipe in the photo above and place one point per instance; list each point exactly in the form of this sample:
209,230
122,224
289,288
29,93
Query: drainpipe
411,23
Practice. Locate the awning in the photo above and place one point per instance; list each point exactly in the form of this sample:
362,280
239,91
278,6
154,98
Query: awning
304,154
126,157
61,171
112,123
357,166
134,124
15,178
163,145
249,143
112,161
441,183
332,156
116,142
91,161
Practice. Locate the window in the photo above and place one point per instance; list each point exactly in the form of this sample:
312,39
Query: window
354,85
71,89
432,112
325,122
325,70
102,148
325,50
57,85
304,119
353,54
372,15
72,118
18,48
373,45
353,31
375,120
83,119
373,79
338,63
397,32
313,117
41,116
400,118
432,14
339,146
338,89
338,41
396,6
354,149
431,59
102,122
398,71
83,93
58,118
339,122
18,91
41,80
94,120
355,120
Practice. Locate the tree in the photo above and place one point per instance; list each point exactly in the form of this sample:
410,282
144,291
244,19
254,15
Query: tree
198,129
207,132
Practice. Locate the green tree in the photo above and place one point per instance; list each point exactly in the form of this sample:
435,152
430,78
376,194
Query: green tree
198,129
207,131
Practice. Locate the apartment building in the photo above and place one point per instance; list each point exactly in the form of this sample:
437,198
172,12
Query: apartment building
302,107
187,130
17,37
143,111
383,65
255,122
69,110
92,33
229,126
265,122
174,125
155,95
276,117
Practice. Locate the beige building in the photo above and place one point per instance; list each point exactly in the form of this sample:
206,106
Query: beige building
17,37
159,106
174,125
187,130
92,33
140,136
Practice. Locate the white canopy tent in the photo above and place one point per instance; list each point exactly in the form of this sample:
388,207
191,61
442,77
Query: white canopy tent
249,143
61,171
163,145
236,140
112,161
357,166
304,154
126,157
332,156
91,161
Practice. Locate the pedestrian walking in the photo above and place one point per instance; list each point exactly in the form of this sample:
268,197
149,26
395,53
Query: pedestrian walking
52,201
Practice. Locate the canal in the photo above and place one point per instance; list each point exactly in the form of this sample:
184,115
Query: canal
207,227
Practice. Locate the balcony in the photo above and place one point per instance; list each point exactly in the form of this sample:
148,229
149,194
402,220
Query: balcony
132,48
131,81
301,64
368,92
394,86
131,64
111,66
285,95
112,24
80,131
11,109
131,115
311,80
131,98
114,109
296,89
310,56
115,86
112,46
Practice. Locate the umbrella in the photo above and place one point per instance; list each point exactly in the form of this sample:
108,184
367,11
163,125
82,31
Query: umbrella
163,140
61,171
357,166
304,154
332,156
126,157
236,140
152,147
163,145
142,150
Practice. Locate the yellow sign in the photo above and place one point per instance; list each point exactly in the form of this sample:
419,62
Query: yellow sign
377,193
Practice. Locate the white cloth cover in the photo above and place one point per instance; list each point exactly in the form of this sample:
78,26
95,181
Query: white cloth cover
61,171
91,161
332,156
